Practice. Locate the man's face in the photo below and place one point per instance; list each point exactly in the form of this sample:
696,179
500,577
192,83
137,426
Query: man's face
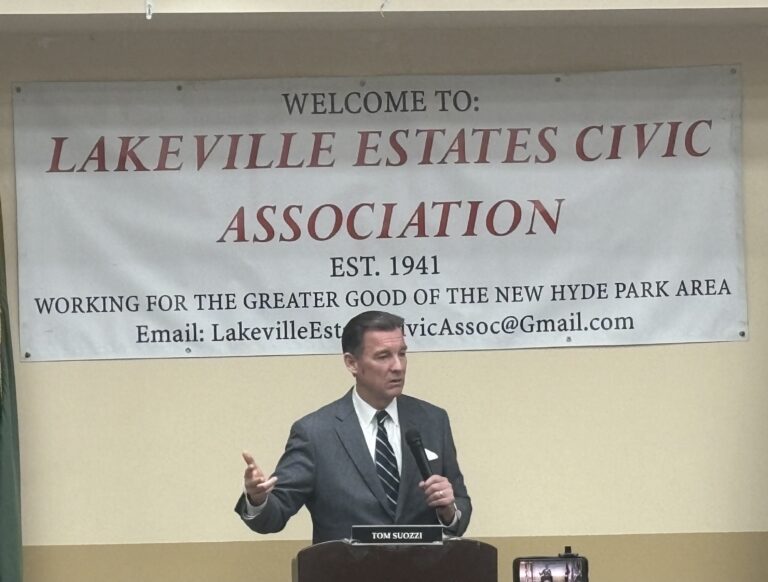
379,370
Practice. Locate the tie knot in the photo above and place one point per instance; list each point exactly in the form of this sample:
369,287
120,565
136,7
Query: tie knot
381,416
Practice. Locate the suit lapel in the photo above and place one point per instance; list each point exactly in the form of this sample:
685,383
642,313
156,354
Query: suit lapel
353,441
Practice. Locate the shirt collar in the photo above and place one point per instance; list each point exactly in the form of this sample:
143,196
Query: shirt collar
366,412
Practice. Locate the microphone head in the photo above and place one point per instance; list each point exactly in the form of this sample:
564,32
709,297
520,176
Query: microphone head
413,437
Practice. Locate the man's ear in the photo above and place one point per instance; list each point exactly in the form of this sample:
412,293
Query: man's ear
350,361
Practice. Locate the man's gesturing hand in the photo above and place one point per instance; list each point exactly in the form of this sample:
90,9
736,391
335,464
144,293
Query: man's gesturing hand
257,486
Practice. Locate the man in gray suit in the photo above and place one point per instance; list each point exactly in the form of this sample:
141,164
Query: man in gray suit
347,472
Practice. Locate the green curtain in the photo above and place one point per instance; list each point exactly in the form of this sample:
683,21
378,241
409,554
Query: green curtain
10,497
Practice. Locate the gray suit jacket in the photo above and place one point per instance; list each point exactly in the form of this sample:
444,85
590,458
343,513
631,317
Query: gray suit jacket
327,467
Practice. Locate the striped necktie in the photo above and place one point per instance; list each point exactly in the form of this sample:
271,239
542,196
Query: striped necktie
386,464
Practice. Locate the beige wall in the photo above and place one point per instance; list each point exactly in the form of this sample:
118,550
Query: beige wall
638,440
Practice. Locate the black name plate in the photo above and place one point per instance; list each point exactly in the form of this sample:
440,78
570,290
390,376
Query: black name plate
397,534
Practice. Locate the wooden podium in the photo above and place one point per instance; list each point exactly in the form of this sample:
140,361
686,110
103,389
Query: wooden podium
457,560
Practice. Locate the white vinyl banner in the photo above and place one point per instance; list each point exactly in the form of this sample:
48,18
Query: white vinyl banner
222,218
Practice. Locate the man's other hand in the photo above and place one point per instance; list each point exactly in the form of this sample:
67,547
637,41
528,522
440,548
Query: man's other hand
257,486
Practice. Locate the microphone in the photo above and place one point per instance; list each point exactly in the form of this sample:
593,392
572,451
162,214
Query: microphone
413,438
